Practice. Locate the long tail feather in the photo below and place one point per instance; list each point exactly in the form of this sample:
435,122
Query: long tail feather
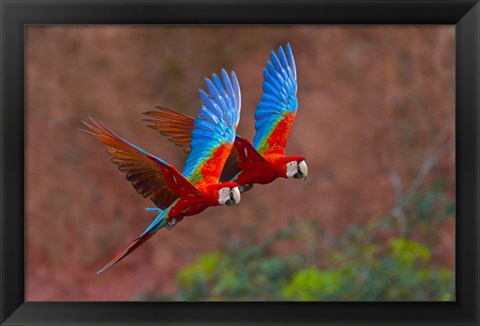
135,244
160,221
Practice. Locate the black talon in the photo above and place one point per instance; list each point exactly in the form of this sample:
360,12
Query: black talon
246,187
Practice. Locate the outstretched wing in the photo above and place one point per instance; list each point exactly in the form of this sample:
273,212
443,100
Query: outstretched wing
278,105
214,129
177,127
152,177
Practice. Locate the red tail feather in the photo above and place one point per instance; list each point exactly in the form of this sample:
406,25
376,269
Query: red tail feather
135,244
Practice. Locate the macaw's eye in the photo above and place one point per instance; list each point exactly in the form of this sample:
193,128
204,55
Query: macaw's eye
291,169
224,191
223,195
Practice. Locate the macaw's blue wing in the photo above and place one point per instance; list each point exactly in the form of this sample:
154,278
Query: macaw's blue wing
178,128
150,176
278,105
214,129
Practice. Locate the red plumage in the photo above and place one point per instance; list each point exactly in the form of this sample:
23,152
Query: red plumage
162,183
245,165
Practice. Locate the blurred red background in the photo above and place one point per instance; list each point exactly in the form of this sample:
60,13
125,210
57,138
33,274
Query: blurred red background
374,103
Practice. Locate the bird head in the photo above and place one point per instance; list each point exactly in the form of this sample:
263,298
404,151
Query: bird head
296,167
229,194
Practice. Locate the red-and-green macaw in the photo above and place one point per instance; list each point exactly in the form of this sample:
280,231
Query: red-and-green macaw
265,160
197,187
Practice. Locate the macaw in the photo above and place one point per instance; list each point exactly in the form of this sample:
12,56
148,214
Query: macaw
265,160
197,187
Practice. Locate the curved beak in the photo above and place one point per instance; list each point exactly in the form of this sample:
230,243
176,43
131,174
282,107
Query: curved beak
234,197
302,171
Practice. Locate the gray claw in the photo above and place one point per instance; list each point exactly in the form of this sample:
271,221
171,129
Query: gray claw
246,187
171,224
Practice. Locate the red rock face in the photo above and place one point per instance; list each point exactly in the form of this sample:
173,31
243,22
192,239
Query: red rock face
370,99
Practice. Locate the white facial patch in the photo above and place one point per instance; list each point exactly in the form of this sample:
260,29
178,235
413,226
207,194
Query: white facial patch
223,195
291,168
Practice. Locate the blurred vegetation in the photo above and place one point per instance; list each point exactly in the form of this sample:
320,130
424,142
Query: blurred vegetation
376,261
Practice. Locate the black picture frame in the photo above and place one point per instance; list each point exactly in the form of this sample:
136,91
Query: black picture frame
15,14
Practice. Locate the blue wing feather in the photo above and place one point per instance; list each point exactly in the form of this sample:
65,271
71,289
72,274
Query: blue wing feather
291,61
236,93
212,89
275,81
226,101
214,110
216,122
279,94
229,89
283,58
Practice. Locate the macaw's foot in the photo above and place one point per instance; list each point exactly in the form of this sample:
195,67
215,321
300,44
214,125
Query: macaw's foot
171,224
246,187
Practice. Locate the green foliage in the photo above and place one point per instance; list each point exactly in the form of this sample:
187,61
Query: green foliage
246,273
407,252
307,284
194,278
431,206
375,261
399,271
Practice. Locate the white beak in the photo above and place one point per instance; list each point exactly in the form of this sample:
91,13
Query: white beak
235,195
302,167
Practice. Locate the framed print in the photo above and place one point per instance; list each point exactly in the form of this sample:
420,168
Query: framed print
240,162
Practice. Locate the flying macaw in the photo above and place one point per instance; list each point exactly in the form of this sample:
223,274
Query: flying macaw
265,160
188,193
